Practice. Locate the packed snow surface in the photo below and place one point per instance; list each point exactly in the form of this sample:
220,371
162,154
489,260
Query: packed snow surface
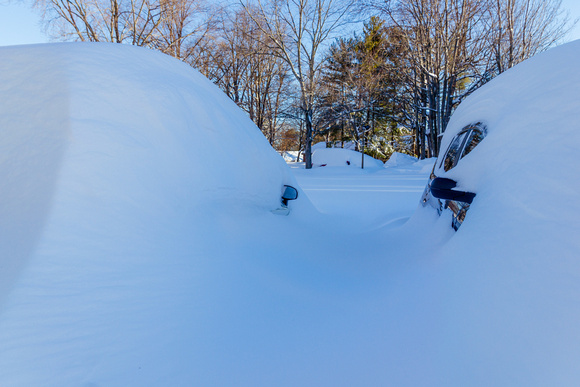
138,247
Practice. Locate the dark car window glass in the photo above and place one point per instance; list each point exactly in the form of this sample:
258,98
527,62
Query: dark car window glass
475,137
453,152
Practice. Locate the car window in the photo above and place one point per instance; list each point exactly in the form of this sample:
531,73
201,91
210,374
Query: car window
475,136
452,154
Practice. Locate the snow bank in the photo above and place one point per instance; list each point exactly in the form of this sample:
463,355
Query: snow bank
400,162
291,156
400,159
318,145
338,157
337,144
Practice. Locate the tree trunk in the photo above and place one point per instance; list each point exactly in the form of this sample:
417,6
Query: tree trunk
308,140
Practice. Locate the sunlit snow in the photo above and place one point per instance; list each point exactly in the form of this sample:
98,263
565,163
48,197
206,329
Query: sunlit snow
138,246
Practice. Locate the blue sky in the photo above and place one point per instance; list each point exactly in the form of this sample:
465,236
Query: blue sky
21,25
574,7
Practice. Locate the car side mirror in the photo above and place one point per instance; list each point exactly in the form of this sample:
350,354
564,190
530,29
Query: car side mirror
442,188
290,193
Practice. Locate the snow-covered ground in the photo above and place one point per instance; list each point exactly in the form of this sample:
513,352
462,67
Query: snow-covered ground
138,246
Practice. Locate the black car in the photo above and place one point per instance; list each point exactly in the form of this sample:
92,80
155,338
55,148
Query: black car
441,192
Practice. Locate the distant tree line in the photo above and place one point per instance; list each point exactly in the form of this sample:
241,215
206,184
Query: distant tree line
310,70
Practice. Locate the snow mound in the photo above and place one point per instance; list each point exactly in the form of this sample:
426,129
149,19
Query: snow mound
337,144
338,157
318,145
400,159
290,156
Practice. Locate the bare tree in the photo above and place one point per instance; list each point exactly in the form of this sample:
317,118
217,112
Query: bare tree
519,29
441,50
133,21
454,46
296,31
176,27
186,28
249,73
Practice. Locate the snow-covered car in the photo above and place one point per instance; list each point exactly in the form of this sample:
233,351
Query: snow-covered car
441,192
498,143
118,165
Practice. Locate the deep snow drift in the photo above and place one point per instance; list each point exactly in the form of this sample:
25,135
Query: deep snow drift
138,247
